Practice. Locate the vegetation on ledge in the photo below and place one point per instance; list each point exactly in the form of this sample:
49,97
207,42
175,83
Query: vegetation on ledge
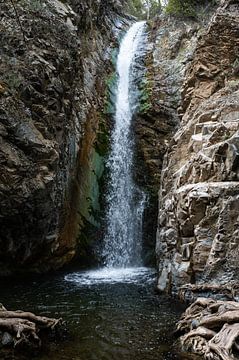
187,8
144,9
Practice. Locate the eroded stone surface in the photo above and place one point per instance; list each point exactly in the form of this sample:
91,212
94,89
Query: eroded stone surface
53,73
169,50
197,240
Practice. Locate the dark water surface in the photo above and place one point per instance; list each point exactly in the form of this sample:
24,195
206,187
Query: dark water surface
112,315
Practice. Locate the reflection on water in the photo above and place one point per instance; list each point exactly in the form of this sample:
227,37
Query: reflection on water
112,314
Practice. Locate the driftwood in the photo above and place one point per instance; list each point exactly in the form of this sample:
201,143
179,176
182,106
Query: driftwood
24,329
210,328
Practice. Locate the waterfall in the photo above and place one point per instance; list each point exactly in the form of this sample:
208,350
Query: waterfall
125,201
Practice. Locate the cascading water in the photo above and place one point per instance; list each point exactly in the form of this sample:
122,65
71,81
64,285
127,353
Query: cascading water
122,245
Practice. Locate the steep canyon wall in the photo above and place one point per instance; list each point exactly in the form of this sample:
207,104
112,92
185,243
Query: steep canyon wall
171,43
55,62
197,239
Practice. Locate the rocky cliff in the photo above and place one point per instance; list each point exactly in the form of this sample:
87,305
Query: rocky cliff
170,45
197,239
55,62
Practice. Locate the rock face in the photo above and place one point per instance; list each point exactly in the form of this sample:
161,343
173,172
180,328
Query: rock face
170,47
198,238
55,59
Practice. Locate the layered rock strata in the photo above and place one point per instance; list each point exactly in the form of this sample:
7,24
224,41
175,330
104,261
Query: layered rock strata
55,60
170,45
197,240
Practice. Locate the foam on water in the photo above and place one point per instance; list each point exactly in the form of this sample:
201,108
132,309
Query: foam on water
112,275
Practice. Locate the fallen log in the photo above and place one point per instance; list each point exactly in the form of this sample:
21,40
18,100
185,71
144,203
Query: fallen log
210,328
19,329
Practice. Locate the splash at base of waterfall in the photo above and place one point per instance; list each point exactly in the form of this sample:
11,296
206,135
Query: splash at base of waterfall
112,275
120,320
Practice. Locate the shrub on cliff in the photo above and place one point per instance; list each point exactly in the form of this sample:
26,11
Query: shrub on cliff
144,8
188,8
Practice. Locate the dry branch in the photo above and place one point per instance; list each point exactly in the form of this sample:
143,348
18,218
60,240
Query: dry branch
24,328
211,328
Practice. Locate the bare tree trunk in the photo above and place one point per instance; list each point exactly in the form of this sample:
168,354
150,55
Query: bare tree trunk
148,9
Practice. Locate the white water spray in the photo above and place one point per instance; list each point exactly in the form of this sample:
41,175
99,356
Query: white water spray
125,201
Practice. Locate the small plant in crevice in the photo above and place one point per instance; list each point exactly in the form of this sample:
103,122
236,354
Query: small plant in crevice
146,89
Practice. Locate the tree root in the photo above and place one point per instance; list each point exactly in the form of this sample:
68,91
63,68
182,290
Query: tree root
192,291
211,328
24,329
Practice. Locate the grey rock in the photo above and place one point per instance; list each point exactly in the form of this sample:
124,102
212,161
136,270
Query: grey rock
200,172
7,339
52,90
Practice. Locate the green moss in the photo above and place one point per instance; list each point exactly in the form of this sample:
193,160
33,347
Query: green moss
85,242
89,207
110,96
103,140
146,90
114,56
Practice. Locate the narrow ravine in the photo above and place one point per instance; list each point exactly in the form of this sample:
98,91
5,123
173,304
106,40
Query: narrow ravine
119,180
113,312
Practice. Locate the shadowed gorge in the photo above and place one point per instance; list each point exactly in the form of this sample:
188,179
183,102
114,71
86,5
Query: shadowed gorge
119,196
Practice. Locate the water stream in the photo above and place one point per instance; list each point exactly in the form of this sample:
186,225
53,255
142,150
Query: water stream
124,199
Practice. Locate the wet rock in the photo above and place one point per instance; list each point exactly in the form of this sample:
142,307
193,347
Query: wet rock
53,74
